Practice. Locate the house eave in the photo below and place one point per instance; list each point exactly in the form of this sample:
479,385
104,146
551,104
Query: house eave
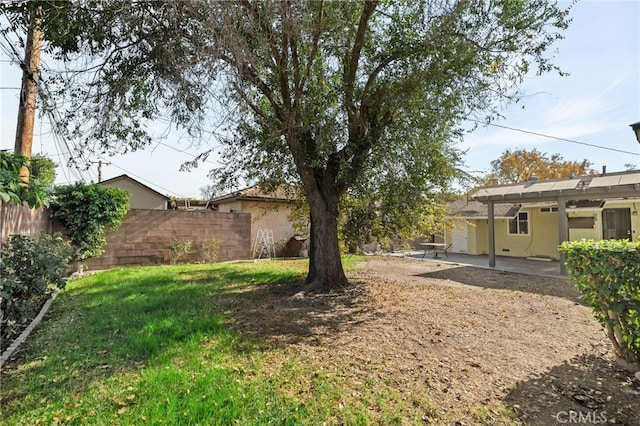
625,191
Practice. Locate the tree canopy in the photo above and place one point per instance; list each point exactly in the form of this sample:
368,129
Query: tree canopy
519,165
362,97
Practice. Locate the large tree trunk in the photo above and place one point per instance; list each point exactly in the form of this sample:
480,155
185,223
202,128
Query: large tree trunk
325,265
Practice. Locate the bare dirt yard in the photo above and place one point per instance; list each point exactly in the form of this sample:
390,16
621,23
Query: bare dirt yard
459,345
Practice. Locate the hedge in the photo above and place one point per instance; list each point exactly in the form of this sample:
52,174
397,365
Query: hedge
607,273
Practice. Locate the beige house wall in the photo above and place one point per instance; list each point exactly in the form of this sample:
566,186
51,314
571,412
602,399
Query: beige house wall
543,238
265,215
482,238
272,216
594,233
141,198
234,207
477,236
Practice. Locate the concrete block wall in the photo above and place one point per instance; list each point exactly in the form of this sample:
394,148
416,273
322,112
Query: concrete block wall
144,237
23,220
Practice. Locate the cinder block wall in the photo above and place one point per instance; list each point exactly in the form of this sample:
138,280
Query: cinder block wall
23,220
145,236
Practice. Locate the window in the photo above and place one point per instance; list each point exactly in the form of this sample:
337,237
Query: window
548,209
519,225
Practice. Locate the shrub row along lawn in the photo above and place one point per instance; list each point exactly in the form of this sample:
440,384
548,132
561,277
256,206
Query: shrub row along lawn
153,345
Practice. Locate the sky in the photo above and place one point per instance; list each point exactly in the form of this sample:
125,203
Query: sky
594,105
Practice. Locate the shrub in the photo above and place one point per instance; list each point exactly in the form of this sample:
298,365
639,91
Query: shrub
607,273
29,270
85,211
210,250
178,249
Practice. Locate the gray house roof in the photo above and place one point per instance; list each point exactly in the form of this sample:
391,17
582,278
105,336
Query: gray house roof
606,186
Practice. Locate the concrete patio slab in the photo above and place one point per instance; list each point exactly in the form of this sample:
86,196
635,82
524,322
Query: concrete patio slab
503,263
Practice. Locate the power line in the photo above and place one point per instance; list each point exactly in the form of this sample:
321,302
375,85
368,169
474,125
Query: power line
558,138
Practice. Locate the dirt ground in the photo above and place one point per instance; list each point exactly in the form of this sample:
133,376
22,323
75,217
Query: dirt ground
469,346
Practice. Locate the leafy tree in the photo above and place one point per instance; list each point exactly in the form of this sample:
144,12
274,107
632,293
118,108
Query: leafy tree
329,95
519,165
85,211
14,190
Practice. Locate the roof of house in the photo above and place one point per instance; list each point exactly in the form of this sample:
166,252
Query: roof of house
592,187
256,193
469,209
127,177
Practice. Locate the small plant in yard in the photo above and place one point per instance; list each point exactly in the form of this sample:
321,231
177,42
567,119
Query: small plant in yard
607,273
29,270
178,249
210,249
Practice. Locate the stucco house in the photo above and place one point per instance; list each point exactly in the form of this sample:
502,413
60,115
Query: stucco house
530,219
142,196
468,233
270,210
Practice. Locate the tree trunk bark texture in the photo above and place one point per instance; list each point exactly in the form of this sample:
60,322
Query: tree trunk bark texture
325,264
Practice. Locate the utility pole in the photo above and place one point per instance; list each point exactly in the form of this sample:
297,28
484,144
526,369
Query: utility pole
100,163
29,89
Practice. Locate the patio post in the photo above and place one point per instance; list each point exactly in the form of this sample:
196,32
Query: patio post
492,236
563,231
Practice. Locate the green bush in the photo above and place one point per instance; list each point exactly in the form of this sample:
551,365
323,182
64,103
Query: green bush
178,249
607,273
85,211
29,270
210,249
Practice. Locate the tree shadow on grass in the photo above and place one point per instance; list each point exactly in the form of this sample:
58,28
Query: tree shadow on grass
94,334
480,278
588,389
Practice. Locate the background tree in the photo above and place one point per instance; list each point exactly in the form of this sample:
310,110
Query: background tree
85,211
208,191
519,165
326,94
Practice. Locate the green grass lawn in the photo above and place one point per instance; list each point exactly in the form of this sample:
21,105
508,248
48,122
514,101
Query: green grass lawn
153,346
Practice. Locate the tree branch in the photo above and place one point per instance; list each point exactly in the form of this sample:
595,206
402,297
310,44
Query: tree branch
312,55
351,67
247,72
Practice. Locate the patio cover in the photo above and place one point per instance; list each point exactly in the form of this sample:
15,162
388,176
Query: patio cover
594,187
